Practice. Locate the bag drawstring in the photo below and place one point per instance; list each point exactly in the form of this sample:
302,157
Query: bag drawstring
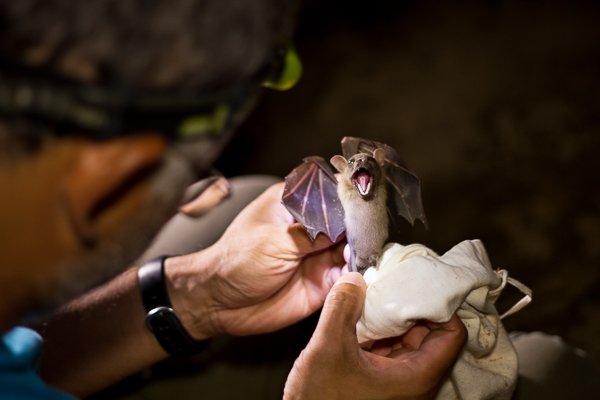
503,275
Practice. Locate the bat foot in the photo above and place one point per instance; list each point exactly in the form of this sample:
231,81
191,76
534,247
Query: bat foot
361,265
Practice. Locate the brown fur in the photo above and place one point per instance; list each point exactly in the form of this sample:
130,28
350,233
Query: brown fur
366,217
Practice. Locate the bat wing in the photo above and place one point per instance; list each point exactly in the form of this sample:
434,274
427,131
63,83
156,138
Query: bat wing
403,185
310,195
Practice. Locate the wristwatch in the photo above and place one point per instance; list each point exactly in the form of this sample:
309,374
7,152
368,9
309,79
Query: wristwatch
161,319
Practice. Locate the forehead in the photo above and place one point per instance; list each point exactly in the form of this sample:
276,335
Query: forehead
361,156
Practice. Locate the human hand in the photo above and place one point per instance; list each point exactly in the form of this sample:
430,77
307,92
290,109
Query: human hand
333,366
263,274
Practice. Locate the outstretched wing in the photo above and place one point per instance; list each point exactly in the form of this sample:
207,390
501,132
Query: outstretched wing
403,185
310,195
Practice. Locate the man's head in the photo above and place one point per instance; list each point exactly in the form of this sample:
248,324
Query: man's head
187,43
74,211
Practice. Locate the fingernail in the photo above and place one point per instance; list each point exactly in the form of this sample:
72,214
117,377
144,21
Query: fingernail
347,253
334,275
353,277
223,185
345,269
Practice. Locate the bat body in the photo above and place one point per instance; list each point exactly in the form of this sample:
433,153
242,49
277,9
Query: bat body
375,188
362,192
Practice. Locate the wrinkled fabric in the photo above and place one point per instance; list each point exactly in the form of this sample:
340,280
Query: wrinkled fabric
412,283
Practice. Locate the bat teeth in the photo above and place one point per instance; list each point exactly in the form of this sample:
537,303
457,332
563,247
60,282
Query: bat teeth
366,190
363,181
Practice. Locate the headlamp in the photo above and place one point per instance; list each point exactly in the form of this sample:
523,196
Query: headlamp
199,120
103,112
287,72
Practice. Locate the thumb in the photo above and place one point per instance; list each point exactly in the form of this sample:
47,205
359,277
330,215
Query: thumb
342,308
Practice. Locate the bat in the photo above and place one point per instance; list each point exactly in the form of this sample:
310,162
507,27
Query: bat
312,196
362,191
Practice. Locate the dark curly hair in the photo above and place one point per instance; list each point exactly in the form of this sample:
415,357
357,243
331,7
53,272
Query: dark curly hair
142,43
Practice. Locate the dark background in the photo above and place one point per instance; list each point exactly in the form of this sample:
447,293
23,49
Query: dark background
494,104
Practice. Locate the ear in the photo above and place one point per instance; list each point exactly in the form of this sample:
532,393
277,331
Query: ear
105,171
379,156
339,162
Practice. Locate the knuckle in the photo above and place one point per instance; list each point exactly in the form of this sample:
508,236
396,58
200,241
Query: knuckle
344,295
344,299
276,188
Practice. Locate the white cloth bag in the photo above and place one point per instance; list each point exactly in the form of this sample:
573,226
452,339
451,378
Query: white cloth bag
412,283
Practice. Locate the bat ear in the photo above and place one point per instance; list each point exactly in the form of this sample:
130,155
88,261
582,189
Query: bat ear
379,156
339,162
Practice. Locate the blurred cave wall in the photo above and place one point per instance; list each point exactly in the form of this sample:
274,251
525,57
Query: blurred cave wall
494,104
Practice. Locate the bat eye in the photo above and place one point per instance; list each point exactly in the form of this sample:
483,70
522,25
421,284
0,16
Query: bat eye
351,162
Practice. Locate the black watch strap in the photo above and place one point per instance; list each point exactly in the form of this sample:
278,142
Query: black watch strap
161,319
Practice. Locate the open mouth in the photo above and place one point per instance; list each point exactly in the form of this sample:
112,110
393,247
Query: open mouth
362,181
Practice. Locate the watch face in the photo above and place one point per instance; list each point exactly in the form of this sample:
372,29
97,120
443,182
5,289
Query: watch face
161,319
170,333
156,318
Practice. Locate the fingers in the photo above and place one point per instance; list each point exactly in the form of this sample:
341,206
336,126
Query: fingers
267,208
439,348
272,198
414,337
382,347
342,309
213,195
450,337
275,190
303,241
329,364
333,275
347,253
410,341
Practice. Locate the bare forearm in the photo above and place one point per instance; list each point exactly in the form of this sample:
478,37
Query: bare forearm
99,339
264,273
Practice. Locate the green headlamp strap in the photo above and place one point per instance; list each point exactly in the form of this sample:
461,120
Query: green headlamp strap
205,124
284,75
288,72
